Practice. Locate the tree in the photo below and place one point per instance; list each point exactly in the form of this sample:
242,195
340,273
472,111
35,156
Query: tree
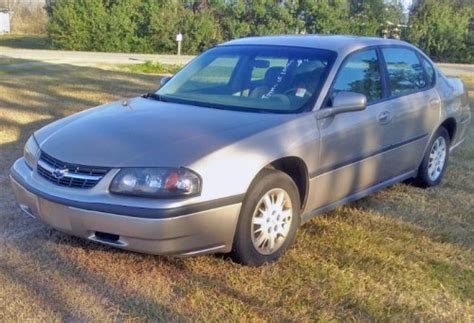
151,25
78,25
325,17
441,29
131,25
254,18
370,17
200,30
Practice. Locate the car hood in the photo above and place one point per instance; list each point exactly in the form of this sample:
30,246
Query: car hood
146,133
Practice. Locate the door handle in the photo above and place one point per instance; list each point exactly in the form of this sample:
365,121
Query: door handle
434,103
384,117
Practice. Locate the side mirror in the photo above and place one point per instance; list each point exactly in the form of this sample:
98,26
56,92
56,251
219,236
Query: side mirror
164,80
344,102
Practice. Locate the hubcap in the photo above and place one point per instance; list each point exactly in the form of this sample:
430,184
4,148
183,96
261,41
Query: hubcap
437,158
271,221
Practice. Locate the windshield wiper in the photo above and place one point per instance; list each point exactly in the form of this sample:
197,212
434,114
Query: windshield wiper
154,96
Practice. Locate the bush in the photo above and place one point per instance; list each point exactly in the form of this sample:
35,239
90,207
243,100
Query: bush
200,30
441,29
78,25
130,26
438,27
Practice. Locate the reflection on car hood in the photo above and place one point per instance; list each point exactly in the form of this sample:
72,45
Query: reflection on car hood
147,133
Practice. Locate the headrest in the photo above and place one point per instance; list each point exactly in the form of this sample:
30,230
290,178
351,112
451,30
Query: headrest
271,75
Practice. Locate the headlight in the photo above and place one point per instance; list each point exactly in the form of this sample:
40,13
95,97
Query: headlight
156,182
30,151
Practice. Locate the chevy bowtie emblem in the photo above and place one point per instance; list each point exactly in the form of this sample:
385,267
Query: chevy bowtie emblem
60,173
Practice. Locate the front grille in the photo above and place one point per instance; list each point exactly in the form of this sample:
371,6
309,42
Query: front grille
70,175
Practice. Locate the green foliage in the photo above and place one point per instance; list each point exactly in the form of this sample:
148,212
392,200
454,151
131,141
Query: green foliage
233,20
130,26
326,17
370,16
441,28
438,27
76,24
200,30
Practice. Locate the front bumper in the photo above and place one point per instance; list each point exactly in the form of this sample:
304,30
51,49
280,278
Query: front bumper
206,231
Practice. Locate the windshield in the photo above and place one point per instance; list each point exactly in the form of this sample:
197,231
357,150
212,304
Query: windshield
252,78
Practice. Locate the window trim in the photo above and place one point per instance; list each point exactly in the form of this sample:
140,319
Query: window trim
384,97
417,53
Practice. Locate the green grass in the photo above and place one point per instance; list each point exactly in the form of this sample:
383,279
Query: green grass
24,41
150,68
403,254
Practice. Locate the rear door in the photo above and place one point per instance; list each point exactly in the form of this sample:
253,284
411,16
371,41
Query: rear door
414,102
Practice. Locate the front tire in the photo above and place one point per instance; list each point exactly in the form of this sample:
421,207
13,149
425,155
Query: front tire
268,219
435,161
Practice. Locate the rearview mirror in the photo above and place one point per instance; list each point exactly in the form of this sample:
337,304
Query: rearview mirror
344,102
261,63
164,80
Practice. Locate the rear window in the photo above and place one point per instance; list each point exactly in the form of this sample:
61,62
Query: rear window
264,63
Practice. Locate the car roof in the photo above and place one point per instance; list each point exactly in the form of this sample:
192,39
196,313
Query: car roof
342,44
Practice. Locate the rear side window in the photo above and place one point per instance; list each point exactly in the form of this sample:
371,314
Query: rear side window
360,73
430,72
405,72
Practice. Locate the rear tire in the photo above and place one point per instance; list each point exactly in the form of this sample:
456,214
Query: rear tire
435,161
268,219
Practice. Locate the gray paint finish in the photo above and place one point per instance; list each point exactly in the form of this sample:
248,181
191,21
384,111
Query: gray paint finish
347,155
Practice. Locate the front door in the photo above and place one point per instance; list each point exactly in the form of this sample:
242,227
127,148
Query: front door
352,144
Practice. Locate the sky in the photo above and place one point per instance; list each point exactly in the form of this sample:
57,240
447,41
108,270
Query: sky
406,4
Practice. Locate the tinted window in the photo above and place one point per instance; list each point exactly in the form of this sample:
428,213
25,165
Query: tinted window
404,71
264,64
252,78
360,73
218,72
430,72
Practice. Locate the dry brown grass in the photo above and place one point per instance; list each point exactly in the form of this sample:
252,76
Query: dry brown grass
401,254
28,17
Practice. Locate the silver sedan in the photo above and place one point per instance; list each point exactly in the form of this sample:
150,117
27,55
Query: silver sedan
248,141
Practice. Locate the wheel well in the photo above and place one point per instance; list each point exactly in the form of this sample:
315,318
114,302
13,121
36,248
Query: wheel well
295,168
450,126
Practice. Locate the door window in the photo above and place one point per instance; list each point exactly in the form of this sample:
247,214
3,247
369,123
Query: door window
430,72
360,73
405,72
